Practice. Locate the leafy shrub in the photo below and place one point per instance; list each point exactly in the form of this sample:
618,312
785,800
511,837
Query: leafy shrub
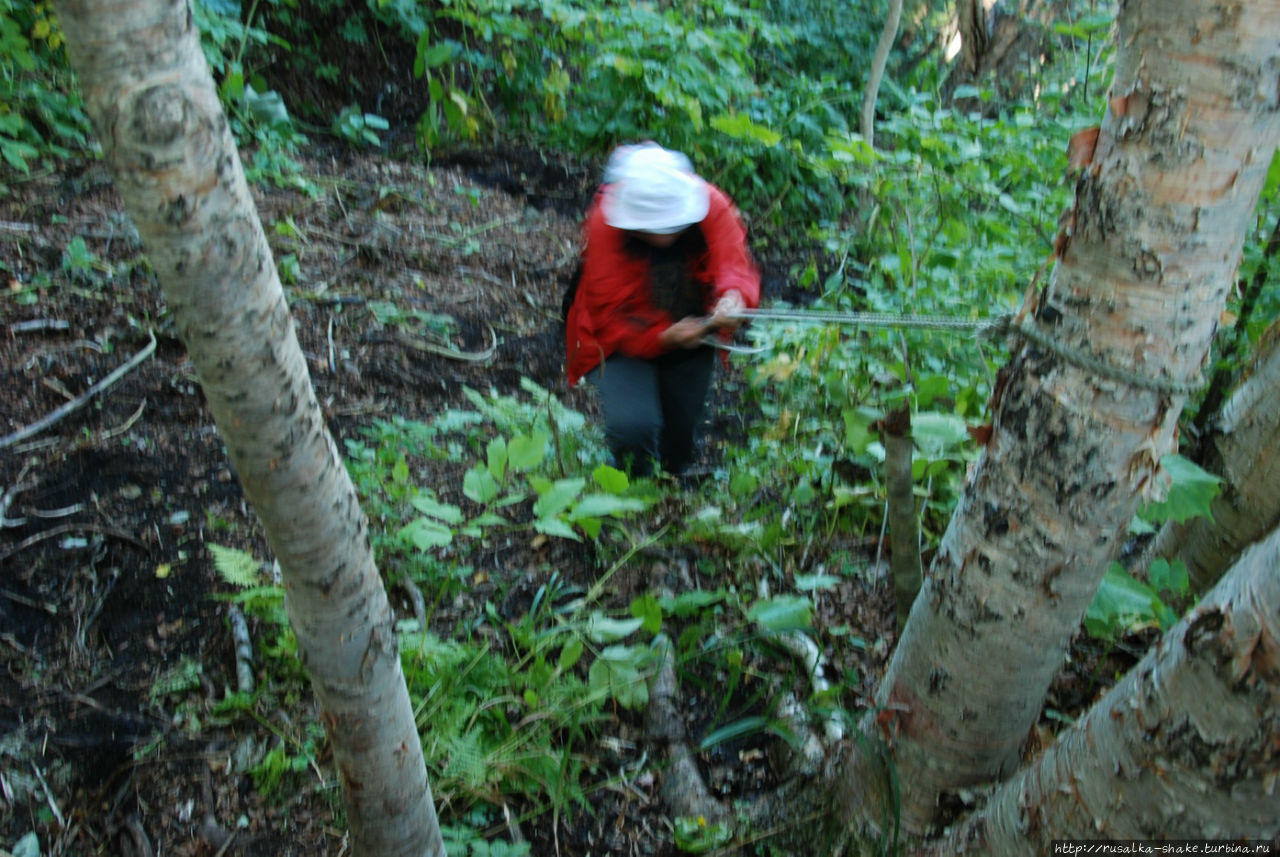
41,113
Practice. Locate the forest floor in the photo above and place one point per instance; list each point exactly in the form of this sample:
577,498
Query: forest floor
105,579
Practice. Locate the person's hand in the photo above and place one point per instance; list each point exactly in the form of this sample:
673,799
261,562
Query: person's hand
685,333
725,310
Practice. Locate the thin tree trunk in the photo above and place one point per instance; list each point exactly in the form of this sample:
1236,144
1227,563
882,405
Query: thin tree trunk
1244,449
1146,262
878,63
1184,747
1233,349
166,141
904,530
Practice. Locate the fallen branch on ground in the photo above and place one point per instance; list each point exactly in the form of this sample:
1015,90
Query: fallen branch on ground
83,398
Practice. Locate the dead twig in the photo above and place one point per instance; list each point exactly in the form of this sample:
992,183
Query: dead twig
80,401
447,352
8,496
48,794
51,609
128,424
38,324
244,649
63,529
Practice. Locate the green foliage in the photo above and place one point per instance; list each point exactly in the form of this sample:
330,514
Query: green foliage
358,128
237,567
698,836
502,726
514,475
1125,604
41,114
468,841
1191,492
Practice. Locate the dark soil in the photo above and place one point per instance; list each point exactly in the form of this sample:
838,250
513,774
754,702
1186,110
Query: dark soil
105,578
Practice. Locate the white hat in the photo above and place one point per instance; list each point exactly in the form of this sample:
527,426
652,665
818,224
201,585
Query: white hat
653,189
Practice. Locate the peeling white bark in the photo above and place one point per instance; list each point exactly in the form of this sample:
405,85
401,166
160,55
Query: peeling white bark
1184,747
1154,240
166,141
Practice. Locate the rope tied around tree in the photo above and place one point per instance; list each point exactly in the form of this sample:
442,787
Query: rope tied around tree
997,328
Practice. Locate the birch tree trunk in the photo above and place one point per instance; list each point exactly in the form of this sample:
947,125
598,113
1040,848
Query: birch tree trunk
1244,449
1184,747
1145,264
167,143
878,63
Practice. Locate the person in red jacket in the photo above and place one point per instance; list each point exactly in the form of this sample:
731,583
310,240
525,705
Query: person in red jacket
665,265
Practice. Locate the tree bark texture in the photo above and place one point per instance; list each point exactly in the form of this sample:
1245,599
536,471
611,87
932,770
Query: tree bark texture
1184,747
1146,259
1244,449
904,528
166,140
1004,44
878,64
975,34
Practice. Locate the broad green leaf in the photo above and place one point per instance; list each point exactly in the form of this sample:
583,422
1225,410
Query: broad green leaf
267,107
558,496
570,654
425,533
689,603
810,582
446,512
931,387
602,629
527,451
616,672
741,127
479,485
1122,603
556,527
782,613
936,433
496,456
600,505
1168,576
610,479
1191,492
858,431
647,609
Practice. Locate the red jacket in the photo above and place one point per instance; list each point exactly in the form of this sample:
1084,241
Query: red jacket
613,309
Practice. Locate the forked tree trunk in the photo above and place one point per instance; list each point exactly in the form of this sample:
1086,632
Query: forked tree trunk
1184,747
1244,449
167,143
1147,259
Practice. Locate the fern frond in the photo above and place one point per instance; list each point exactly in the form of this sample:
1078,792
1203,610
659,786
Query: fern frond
237,567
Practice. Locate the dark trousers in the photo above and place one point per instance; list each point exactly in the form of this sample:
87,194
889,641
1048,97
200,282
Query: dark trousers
652,408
